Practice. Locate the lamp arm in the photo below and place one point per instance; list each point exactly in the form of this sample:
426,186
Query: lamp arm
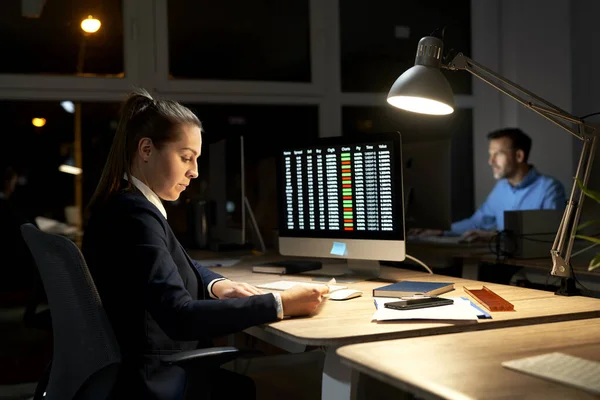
548,110
565,235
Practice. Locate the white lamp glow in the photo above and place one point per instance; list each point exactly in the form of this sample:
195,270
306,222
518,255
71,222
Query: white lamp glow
420,105
68,106
69,169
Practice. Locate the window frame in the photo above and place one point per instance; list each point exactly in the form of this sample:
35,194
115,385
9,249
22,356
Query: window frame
146,65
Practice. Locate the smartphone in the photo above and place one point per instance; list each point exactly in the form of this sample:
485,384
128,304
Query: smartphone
411,304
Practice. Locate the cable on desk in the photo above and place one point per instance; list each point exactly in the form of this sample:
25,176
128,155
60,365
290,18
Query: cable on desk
507,245
421,263
586,291
501,239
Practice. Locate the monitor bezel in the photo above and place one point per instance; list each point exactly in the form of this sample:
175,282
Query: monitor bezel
389,246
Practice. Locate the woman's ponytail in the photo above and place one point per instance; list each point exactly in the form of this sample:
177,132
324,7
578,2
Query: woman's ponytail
140,116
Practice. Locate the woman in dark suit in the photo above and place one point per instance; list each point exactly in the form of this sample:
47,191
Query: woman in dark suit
157,298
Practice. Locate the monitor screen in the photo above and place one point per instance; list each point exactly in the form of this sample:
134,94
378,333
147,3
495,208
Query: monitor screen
342,198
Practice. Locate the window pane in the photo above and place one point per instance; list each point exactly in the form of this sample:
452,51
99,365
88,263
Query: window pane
53,43
239,40
98,127
265,128
458,127
379,39
37,152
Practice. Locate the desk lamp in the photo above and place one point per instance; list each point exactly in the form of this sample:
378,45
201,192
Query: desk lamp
424,89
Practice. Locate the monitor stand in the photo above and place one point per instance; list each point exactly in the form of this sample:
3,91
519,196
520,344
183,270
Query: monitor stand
355,271
362,270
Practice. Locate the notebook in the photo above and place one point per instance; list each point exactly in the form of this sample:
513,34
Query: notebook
411,288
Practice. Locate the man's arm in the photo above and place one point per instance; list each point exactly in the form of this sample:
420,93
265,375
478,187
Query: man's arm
483,218
554,198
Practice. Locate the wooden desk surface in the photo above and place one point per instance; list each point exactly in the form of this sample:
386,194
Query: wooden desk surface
467,365
544,263
344,322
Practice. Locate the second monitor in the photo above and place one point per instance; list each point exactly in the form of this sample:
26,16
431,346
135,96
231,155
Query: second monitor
342,198
427,184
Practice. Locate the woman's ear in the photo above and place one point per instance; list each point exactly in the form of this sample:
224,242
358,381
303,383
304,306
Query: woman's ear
145,148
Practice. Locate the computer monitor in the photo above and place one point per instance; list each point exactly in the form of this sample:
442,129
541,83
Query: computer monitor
227,192
229,207
427,184
342,198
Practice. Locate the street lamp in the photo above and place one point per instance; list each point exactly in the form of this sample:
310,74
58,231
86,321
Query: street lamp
89,26
38,122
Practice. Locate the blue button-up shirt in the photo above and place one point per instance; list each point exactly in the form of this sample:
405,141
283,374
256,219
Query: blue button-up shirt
534,192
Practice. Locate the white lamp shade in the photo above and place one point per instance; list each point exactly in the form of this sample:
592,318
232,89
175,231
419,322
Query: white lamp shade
424,90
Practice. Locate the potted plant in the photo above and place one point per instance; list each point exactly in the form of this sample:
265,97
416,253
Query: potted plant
594,195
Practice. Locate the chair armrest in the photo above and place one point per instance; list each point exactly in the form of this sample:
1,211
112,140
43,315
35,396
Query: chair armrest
207,358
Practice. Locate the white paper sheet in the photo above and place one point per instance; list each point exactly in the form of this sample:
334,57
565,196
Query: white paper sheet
460,310
285,285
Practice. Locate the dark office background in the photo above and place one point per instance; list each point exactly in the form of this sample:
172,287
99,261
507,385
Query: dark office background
226,40
251,42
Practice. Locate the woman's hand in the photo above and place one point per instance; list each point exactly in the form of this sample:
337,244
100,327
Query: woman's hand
227,289
302,300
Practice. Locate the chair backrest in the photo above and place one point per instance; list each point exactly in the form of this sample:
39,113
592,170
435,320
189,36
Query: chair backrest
86,353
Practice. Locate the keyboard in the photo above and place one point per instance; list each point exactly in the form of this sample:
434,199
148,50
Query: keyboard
562,368
284,285
436,239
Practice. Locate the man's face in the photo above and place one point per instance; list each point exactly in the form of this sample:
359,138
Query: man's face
503,158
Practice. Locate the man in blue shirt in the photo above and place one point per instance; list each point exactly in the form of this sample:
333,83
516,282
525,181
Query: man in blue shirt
520,187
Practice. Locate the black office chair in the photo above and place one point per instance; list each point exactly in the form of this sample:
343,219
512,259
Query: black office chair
86,353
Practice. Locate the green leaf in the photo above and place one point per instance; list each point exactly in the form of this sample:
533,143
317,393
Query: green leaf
589,192
589,238
588,223
595,263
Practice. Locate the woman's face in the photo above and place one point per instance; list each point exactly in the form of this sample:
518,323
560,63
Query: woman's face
170,169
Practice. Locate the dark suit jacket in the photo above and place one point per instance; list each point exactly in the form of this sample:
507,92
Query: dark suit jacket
155,296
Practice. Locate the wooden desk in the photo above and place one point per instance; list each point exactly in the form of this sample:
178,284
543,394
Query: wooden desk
544,264
346,322
536,271
467,365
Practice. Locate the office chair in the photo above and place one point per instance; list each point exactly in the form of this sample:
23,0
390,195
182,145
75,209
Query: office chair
86,352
